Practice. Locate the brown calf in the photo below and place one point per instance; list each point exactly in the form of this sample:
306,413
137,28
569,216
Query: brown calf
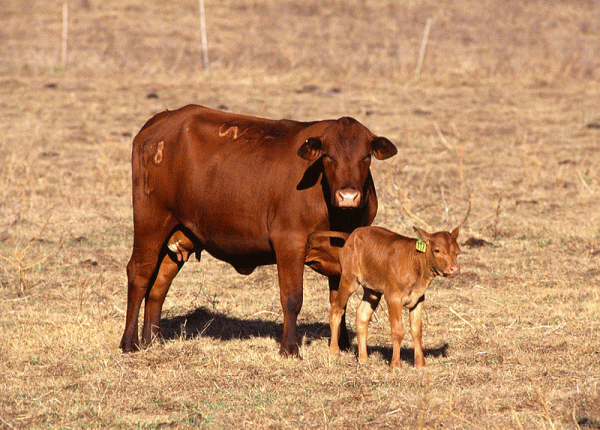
384,262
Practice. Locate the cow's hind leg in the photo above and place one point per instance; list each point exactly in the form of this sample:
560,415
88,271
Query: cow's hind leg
155,297
136,291
178,248
142,270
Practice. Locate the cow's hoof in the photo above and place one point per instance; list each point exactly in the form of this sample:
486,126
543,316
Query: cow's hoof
292,352
128,347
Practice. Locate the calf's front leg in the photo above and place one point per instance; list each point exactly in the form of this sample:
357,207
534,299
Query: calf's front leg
416,330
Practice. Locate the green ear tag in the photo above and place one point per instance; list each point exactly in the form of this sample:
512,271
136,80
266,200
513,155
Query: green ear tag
421,246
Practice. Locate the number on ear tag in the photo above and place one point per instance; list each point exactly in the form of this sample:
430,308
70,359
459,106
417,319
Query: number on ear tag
421,246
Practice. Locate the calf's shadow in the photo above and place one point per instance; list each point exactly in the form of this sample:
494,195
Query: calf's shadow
407,355
219,326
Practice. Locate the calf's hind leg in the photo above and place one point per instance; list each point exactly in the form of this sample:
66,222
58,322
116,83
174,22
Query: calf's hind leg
397,328
344,338
348,285
364,312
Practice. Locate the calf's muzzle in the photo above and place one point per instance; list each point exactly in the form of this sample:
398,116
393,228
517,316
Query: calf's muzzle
453,271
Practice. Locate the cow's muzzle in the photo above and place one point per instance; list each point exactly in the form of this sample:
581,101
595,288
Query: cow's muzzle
347,198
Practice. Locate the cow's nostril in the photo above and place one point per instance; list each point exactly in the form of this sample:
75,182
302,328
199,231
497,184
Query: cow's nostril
347,197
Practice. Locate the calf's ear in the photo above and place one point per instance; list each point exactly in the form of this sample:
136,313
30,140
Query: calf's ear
383,149
311,149
454,233
422,234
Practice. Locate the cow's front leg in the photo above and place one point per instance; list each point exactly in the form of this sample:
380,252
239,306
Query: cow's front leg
290,254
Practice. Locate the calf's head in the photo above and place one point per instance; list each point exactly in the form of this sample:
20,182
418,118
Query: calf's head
444,249
346,147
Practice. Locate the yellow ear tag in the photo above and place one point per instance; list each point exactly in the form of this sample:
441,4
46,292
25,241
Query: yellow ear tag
421,246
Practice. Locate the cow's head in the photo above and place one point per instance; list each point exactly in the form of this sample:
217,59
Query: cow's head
346,147
443,249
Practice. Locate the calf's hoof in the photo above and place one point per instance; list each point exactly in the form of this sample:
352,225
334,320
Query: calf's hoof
395,365
334,352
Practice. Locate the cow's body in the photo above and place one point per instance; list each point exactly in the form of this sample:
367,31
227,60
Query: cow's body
247,190
388,264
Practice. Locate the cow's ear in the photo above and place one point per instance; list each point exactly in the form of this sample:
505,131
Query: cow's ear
383,149
311,149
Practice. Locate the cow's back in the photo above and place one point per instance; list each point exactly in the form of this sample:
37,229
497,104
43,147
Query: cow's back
228,178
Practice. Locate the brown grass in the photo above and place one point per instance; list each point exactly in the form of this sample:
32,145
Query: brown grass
502,108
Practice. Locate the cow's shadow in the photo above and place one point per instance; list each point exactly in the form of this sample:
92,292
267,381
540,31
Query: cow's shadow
219,326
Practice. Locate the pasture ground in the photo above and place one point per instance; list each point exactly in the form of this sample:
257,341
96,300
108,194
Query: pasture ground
506,106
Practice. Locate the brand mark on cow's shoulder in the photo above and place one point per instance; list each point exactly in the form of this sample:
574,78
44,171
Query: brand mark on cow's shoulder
232,131
158,155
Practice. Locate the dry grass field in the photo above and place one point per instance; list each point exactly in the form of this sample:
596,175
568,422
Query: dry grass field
507,106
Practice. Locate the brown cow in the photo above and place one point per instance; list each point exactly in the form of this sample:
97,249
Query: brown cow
247,190
383,262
